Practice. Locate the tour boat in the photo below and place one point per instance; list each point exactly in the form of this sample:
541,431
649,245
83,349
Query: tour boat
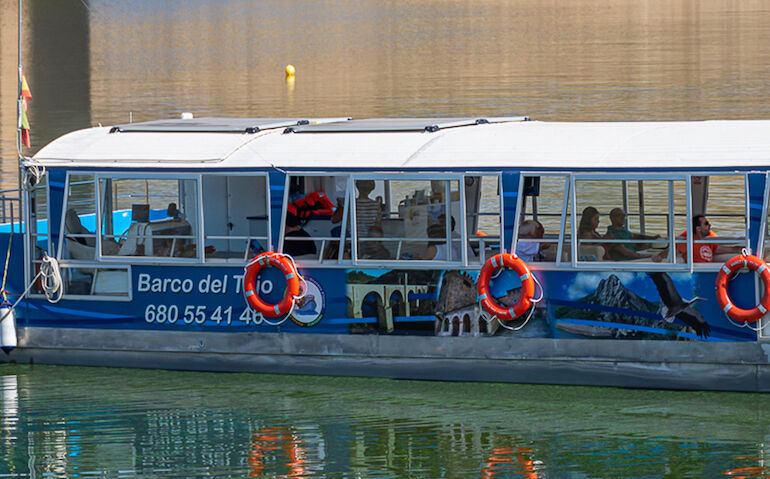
471,249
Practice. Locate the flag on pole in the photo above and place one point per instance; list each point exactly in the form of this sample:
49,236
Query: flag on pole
25,95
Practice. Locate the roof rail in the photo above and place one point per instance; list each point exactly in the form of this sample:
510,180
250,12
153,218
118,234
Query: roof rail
376,125
214,125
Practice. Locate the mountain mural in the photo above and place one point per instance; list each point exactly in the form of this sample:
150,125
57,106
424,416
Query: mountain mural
613,295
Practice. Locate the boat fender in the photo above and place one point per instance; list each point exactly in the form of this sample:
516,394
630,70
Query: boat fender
732,266
286,264
7,326
488,303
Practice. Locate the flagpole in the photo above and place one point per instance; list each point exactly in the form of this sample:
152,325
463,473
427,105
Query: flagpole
22,196
18,98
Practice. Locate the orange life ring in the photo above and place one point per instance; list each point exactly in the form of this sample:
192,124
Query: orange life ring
527,286
286,265
731,266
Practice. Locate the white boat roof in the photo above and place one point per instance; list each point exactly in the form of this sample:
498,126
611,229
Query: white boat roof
414,143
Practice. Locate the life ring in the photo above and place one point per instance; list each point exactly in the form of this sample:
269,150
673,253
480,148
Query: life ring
723,278
286,265
527,286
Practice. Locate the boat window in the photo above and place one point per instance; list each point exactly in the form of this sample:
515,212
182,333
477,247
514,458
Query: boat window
412,220
149,217
630,220
483,218
235,217
542,214
316,219
80,218
721,200
81,281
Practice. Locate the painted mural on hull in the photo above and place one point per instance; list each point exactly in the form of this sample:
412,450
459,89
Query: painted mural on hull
619,305
612,305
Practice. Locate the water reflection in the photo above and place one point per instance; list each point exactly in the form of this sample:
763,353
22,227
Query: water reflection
10,405
68,421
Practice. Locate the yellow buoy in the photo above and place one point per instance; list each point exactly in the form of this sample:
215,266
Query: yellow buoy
290,70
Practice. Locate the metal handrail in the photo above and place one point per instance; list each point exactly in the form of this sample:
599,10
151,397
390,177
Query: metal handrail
9,213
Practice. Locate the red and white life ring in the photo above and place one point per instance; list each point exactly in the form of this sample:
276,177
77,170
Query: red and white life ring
286,265
732,265
527,286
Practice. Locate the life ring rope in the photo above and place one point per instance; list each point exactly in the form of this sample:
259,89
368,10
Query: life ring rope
740,317
491,309
294,290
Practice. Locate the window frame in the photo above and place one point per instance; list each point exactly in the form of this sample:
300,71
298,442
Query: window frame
316,262
568,187
30,241
68,263
268,210
715,266
100,259
198,259
420,176
763,332
687,266
625,265
350,219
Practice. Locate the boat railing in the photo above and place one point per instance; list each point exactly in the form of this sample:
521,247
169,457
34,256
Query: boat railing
248,241
10,206
484,242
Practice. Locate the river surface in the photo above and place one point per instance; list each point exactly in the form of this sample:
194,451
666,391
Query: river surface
110,61
101,422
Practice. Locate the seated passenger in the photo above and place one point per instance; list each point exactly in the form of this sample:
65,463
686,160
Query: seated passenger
702,252
368,211
589,221
531,251
374,249
437,250
294,230
617,230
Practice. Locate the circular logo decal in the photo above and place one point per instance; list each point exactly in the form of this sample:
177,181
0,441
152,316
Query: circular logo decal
309,309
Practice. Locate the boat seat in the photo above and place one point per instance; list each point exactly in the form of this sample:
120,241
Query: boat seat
135,239
591,252
83,246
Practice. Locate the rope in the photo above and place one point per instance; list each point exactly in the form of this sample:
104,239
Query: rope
22,295
7,260
32,176
529,314
744,253
52,281
295,298
744,325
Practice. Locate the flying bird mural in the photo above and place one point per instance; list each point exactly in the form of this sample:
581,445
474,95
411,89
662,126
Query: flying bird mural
673,306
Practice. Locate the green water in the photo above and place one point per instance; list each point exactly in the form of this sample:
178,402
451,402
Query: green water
103,422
